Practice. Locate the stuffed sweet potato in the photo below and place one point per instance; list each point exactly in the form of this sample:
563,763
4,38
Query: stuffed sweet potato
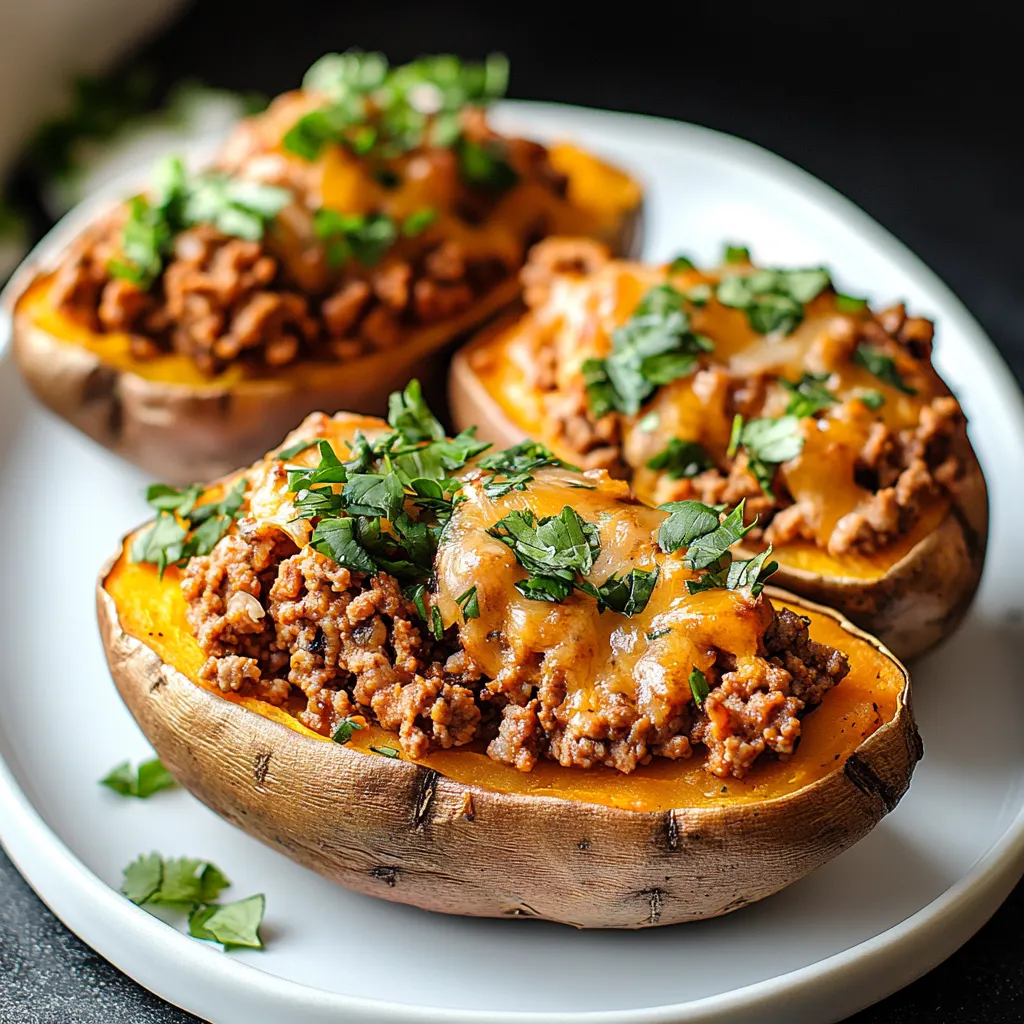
488,684
764,385
339,241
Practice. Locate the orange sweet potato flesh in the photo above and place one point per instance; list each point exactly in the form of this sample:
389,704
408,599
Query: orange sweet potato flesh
180,426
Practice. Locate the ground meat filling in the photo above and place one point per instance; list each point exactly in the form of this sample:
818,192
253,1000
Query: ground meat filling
293,628
270,303
902,469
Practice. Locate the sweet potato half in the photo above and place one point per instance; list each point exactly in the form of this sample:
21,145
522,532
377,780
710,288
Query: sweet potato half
912,590
458,832
180,425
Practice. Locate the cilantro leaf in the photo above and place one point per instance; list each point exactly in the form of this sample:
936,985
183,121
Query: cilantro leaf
708,548
874,400
752,572
629,594
364,238
336,539
485,166
409,414
344,729
849,304
469,604
699,688
736,254
882,366
542,587
601,392
149,778
769,442
809,395
162,544
773,299
681,264
372,494
187,881
558,545
512,469
386,751
285,454
653,347
681,459
142,878
687,521
235,925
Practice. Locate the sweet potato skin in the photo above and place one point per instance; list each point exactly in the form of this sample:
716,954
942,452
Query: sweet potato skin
915,604
402,832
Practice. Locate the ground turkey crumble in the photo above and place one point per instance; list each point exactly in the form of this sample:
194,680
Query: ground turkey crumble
282,625
904,469
272,302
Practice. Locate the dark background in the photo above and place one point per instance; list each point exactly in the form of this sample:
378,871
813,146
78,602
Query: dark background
916,119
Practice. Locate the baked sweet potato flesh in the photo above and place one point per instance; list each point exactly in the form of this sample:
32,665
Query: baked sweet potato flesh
180,424
456,831
911,590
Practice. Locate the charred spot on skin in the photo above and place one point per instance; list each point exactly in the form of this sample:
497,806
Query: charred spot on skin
672,833
426,791
387,875
260,767
583,844
655,899
735,905
867,780
523,910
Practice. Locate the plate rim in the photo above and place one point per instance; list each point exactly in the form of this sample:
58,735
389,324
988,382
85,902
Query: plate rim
830,988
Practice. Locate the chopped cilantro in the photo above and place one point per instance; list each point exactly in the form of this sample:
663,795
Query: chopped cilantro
874,400
386,751
183,528
769,442
736,254
657,634
191,886
379,113
418,221
849,304
179,201
469,604
699,688
707,539
512,469
285,454
773,300
234,925
681,264
654,346
364,238
882,366
681,459
149,778
485,165
558,552
344,729
809,395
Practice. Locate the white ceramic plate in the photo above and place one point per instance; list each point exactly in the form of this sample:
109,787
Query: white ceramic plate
866,924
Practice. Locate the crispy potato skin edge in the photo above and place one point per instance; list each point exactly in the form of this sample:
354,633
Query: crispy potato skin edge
396,830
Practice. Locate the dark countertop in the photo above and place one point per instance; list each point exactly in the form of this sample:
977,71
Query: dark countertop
916,122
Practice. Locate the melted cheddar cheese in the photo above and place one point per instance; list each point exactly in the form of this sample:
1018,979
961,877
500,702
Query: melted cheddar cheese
576,323
591,651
